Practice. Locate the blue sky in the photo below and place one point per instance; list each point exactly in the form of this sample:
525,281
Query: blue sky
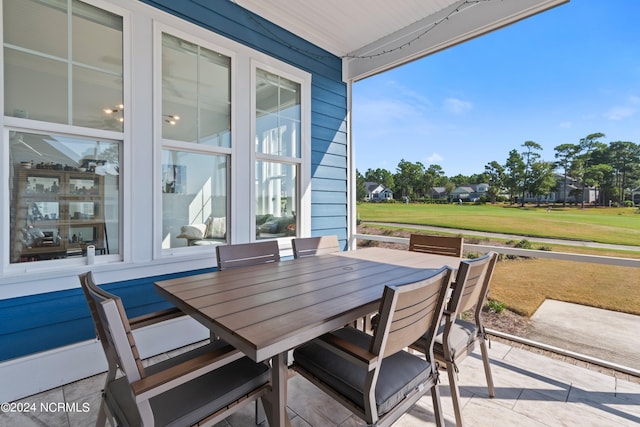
553,79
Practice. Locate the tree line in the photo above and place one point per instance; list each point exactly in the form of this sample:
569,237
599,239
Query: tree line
613,169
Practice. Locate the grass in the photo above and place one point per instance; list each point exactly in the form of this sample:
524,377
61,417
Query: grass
603,225
523,284
608,287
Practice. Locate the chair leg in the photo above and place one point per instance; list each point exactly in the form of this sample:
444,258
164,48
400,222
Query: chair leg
101,421
437,405
261,415
487,367
103,412
455,393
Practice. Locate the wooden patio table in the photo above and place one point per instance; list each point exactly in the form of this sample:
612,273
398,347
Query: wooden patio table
269,309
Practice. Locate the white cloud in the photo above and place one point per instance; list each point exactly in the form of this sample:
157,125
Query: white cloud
619,113
457,106
434,158
634,100
566,125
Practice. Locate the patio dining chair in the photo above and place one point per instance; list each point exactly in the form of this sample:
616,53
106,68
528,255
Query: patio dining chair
372,375
457,338
198,387
439,245
310,246
246,254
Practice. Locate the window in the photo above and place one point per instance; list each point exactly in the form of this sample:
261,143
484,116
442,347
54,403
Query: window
63,103
49,79
196,140
278,152
67,203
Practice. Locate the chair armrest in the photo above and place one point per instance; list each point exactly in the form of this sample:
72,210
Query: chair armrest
348,350
158,383
155,317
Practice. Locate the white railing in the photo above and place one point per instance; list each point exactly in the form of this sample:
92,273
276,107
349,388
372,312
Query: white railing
533,253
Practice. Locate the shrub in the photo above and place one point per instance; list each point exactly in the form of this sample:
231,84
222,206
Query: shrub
473,255
545,248
628,204
495,306
523,244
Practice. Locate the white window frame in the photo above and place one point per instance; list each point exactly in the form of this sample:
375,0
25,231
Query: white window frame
10,123
202,38
242,156
303,162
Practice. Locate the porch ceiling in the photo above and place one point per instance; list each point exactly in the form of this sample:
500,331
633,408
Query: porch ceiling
375,35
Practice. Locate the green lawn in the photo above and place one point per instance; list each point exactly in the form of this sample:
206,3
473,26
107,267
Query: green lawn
604,225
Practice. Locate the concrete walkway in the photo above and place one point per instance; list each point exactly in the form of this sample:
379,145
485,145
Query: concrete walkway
603,334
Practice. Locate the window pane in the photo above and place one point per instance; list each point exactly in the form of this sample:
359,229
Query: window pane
196,95
277,115
215,99
38,84
194,199
35,87
276,200
24,21
65,195
105,29
106,95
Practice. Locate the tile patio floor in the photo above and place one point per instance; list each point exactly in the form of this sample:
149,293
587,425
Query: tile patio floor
532,389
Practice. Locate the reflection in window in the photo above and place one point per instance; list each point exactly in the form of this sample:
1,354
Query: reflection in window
276,200
65,196
41,85
196,93
194,199
277,115
278,133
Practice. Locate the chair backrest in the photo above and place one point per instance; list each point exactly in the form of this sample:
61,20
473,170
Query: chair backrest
113,329
410,310
245,254
472,285
439,245
310,246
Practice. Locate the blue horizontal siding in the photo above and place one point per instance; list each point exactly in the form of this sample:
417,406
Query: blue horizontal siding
329,140
326,159
328,197
322,171
329,210
326,223
322,184
41,322
333,123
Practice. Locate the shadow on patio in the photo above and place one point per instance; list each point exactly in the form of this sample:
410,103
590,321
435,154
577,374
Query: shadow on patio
532,389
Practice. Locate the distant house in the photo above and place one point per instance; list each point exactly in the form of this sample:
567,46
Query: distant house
438,192
635,196
377,192
469,192
570,190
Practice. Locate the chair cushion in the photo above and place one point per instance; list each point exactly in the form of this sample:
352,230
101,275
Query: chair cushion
462,334
189,403
399,374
